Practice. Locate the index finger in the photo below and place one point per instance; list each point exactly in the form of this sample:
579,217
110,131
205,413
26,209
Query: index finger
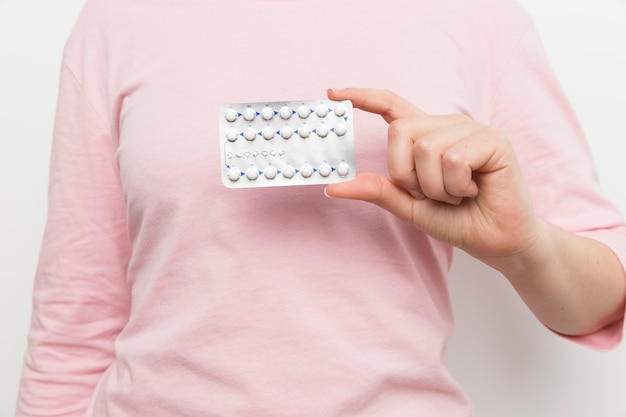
383,102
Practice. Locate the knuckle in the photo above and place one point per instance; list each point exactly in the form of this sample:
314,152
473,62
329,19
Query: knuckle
399,128
389,102
425,147
500,134
452,161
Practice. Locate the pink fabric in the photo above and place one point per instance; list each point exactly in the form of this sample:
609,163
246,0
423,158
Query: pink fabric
160,292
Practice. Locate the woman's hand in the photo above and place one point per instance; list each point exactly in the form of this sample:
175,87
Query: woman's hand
459,181
455,179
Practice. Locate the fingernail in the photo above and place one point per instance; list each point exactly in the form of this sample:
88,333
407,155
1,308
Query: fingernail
416,194
326,193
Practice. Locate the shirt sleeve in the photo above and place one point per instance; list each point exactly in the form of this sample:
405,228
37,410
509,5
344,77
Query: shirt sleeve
80,297
531,107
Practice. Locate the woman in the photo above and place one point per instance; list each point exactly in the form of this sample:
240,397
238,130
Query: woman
161,292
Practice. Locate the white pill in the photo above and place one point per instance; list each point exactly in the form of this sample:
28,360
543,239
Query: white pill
252,173
234,174
289,171
267,113
285,112
286,132
304,132
231,115
270,172
325,169
249,134
304,112
322,131
306,171
340,110
341,130
343,169
321,111
232,135
268,133
249,114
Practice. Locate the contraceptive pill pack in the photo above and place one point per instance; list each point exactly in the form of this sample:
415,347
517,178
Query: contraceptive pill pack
269,144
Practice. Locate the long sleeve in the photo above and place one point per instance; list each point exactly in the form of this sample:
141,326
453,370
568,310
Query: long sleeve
80,298
550,143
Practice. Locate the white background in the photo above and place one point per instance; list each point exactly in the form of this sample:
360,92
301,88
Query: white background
510,365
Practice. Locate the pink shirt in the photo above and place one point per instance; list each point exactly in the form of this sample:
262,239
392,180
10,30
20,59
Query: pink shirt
160,292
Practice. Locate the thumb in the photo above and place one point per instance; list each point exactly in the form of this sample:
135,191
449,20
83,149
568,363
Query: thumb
375,189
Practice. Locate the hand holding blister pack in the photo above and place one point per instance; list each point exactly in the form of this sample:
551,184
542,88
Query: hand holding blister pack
286,143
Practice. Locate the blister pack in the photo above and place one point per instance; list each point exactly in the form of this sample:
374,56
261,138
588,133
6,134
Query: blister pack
286,143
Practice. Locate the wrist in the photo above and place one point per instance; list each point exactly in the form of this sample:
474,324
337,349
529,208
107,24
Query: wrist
535,259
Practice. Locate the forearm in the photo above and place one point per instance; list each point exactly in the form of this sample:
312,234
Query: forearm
461,183
573,284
